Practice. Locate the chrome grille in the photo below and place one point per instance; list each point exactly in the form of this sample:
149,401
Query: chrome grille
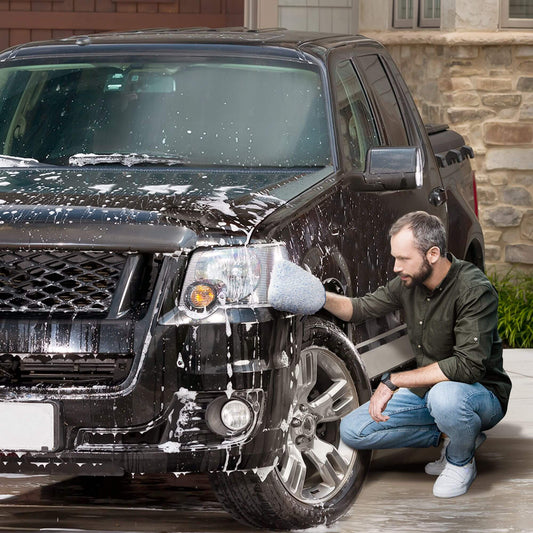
58,281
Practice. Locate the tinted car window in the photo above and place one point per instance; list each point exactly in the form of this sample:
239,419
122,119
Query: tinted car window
358,130
220,111
387,102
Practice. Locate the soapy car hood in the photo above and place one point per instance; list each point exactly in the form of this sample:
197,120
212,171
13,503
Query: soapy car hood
141,208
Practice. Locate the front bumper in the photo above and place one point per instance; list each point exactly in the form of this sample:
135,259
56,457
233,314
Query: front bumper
156,422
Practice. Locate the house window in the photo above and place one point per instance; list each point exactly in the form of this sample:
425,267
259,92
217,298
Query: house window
403,14
429,14
517,13
416,14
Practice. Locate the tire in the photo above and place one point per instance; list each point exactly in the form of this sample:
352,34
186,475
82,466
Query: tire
318,476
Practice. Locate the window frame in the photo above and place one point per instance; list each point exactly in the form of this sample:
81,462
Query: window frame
417,20
398,22
374,120
376,100
428,22
512,23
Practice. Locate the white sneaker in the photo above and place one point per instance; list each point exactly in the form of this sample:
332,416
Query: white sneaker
455,480
435,468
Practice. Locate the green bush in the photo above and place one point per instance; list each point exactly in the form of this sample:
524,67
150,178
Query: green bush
515,308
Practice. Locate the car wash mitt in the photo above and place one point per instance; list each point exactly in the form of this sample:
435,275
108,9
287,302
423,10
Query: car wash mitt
295,290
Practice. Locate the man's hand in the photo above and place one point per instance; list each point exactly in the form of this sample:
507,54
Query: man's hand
420,377
379,402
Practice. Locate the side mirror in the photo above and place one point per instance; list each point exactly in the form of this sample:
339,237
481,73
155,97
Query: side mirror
394,168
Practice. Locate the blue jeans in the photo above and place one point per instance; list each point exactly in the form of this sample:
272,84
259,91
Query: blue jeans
459,410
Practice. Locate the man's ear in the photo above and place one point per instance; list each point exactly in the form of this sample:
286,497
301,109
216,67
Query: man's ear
433,254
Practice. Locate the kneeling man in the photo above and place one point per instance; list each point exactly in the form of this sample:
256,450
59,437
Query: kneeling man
459,388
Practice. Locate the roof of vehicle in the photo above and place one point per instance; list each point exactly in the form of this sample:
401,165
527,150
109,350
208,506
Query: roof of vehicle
275,37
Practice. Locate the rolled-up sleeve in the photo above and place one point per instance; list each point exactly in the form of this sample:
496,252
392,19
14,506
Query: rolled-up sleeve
476,321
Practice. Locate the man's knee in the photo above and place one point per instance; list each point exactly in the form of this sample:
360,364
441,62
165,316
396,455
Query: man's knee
353,428
444,399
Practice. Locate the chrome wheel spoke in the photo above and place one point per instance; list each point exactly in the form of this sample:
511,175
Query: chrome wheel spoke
307,374
335,402
293,471
329,463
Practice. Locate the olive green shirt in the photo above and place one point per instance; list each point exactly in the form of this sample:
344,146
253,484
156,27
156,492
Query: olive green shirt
456,325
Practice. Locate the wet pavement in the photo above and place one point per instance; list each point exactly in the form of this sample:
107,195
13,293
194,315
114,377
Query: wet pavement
396,496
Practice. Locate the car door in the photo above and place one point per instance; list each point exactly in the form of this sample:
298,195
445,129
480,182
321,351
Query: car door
370,111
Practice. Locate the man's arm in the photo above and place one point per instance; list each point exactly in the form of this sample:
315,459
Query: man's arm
339,305
420,377
383,300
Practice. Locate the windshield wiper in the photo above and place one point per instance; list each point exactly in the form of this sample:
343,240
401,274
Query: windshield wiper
12,161
128,160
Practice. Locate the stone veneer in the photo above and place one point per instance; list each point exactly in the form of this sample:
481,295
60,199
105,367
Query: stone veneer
481,84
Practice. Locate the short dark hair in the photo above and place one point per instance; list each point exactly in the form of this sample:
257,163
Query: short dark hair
428,230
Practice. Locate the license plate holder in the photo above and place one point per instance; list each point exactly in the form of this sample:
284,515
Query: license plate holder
29,426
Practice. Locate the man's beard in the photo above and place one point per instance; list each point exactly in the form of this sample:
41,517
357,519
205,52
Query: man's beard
422,275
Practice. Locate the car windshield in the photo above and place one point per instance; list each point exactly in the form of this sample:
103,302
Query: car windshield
206,112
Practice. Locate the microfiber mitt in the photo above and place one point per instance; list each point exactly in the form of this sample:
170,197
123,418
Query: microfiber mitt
295,290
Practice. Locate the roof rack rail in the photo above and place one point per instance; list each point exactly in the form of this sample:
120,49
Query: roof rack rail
265,30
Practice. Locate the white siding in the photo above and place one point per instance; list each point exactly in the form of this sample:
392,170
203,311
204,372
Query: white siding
319,15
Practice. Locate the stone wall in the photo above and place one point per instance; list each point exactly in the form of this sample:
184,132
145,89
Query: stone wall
482,86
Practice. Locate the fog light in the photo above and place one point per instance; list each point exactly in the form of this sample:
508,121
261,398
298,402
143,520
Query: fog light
236,415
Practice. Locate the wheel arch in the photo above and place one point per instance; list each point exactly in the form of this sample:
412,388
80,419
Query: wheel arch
333,330
475,254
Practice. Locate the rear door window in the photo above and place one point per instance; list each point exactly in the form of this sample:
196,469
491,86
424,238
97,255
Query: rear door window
386,100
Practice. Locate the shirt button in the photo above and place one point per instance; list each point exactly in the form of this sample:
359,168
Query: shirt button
419,346
428,299
421,322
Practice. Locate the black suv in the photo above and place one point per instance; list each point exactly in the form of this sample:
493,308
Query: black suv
149,182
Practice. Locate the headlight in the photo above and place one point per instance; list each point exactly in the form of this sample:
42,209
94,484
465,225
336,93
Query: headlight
229,277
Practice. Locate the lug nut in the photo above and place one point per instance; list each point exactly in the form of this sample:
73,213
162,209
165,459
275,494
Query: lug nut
296,422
